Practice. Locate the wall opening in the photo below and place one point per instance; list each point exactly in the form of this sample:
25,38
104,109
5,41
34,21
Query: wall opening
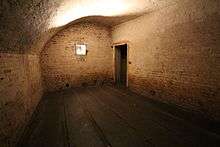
121,65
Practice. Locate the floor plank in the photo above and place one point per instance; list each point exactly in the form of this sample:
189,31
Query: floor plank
49,125
108,117
175,127
115,130
80,129
190,135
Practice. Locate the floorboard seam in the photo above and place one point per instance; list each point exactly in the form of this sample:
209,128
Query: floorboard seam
66,130
188,124
97,128
147,140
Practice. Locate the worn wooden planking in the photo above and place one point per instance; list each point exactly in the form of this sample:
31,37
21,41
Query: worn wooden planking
105,117
49,125
148,129
190,135
81,132
115,130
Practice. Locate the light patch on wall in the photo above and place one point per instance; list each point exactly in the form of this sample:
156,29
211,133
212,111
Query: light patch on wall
72,10
81,49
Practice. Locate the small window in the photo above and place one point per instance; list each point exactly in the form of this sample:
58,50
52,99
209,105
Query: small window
81,49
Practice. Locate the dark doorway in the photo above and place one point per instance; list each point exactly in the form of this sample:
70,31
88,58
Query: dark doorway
121,65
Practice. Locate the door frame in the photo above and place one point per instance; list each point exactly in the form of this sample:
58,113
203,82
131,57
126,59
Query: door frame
114,60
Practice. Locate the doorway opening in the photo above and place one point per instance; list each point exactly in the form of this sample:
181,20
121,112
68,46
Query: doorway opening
121,52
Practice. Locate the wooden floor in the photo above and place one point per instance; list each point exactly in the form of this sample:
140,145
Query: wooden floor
108,117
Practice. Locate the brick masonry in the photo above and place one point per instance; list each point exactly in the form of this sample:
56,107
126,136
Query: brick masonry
20,92
175,55
61,68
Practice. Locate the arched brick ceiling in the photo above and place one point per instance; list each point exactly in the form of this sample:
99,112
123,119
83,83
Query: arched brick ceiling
26,25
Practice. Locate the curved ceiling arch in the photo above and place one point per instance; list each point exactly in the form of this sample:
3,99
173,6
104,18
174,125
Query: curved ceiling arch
27,25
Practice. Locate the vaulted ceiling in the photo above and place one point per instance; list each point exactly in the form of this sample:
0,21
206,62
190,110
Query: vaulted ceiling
26,25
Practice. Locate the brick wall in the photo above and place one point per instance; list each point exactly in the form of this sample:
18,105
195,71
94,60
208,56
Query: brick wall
61,68
175,55
20,92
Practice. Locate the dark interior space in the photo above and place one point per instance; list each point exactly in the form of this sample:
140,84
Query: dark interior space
109,73
121,65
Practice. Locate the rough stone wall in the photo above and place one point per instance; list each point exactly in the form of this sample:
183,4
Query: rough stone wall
25,25
61,68
20,92
175,55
